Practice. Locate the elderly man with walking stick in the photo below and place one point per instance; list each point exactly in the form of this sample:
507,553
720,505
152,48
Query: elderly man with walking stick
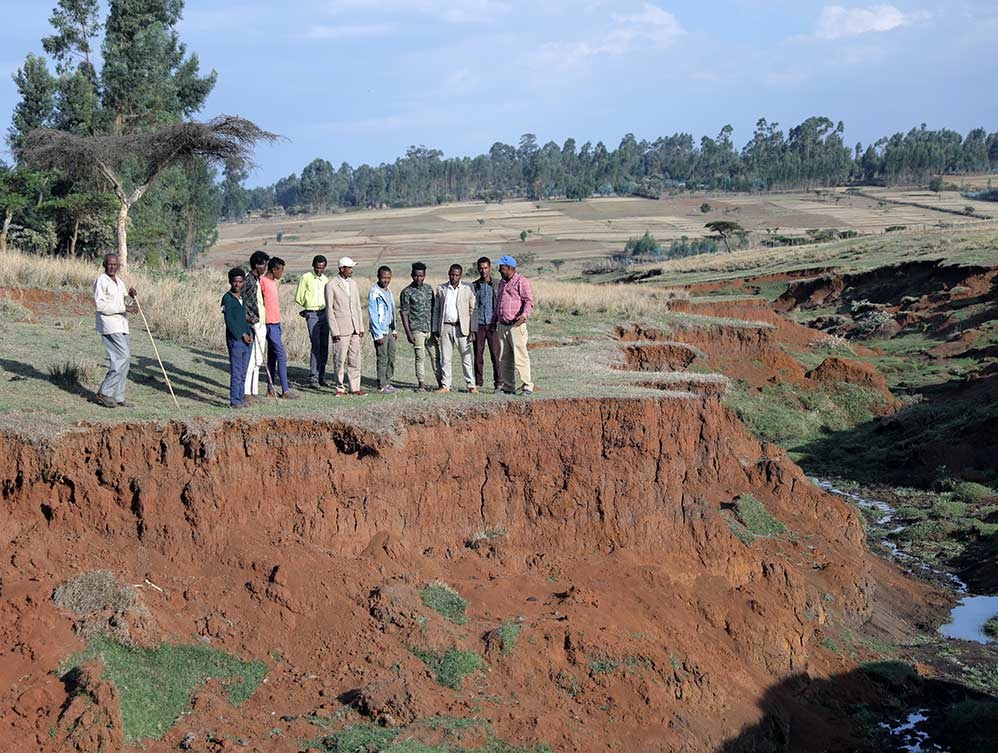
112,326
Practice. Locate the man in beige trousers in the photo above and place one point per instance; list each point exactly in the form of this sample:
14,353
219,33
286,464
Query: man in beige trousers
346,327
454,325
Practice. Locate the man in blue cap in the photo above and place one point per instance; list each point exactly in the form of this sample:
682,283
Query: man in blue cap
514,303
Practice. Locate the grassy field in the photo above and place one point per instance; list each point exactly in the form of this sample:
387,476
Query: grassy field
51,360
972,244
570,233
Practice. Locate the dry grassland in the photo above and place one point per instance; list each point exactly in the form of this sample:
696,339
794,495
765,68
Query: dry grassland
573,232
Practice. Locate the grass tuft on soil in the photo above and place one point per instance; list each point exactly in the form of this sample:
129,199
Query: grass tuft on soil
444,600
753,515
155,685
450,667
369,738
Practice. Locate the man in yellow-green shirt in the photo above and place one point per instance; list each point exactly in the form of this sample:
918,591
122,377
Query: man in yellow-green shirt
311,296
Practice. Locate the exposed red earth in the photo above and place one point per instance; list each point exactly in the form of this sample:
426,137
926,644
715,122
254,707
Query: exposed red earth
308,540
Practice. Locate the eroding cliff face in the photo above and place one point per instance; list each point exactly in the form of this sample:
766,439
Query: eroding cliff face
606,528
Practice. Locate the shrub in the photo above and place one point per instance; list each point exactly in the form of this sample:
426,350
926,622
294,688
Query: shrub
705,207
646,245
969,491
444,600
895,228
280,236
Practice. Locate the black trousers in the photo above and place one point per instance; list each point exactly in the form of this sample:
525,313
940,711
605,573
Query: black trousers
486,336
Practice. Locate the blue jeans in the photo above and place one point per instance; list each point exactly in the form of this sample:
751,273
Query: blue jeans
239,358
277,357
318,335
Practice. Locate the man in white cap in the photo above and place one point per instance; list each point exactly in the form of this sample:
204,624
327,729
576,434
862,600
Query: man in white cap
346,327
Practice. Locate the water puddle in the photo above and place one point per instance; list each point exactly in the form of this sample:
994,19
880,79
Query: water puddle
968,618
910,737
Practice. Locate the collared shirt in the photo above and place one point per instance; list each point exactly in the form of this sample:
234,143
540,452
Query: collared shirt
381,310
515,299
485,297
450,305
271,300
417,304
109,300
311,292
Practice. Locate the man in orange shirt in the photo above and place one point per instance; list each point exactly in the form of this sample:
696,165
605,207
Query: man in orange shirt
277,357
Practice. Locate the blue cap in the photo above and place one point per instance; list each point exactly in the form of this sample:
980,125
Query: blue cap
509,261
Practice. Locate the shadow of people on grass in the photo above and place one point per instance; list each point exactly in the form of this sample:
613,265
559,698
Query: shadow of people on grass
64,380
847,713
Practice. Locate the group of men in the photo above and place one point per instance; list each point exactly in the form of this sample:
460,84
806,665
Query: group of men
491,312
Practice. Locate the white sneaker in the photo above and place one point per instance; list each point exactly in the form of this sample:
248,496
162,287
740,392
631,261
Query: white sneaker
388,389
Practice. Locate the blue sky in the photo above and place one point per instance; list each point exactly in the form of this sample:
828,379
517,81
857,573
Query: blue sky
361,80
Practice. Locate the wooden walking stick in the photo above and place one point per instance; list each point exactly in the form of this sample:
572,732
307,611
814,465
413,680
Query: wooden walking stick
156,351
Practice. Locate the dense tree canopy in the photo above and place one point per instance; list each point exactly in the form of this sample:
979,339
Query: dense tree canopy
810,155
146,80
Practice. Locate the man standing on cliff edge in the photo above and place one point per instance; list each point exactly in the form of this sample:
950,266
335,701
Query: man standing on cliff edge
112,326
515,301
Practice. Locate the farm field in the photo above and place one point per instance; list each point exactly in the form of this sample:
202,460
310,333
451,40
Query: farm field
575,233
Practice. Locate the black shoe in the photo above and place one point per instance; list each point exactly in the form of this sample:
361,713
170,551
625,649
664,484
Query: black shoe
125,404
107,402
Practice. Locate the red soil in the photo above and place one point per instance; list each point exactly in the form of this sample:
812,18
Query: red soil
834,370
49,304
306,540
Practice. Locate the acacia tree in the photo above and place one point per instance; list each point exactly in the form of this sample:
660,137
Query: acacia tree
725,230
223,140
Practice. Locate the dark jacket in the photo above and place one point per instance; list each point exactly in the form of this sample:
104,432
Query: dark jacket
234,312
249,298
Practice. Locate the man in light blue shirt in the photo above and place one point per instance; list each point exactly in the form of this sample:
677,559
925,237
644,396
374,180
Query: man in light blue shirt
381,309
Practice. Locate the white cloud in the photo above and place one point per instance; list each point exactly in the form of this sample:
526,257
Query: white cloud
836,22
651,25
452,11
355,31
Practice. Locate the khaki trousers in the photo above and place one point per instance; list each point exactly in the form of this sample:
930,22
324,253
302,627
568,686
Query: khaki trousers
513,357
346,362
450,337
424,350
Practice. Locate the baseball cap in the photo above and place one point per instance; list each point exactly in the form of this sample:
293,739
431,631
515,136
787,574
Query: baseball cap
346,261
509,261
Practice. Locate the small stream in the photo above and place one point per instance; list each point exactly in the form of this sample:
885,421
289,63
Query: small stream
966,619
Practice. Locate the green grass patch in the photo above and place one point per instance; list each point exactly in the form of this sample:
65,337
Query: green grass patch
507,634
753,515
991,627
897,675
444,600
155,685
450,667
369,738
602,666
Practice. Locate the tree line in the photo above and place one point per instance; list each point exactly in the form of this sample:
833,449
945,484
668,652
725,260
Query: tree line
117,76
810,155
